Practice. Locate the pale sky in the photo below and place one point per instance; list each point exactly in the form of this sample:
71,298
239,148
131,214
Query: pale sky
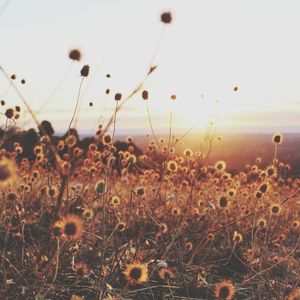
210,47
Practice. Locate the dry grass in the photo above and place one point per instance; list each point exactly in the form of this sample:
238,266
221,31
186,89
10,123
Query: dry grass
75,226
104,220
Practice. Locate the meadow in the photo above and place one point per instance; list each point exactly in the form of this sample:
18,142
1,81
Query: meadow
102,219
152,217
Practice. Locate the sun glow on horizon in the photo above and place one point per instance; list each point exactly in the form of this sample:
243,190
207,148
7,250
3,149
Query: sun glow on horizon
197,59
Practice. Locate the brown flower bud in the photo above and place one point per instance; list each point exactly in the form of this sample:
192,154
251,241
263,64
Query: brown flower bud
85,71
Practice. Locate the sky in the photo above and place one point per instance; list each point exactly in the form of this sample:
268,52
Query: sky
209,48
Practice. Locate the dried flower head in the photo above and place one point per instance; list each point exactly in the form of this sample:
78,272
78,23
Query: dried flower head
220,165
166,273
118,96
72,227
145,95
275,209
9,113
223,202
75,54
84,72
106,139
277,138
100,186
166,17
225,290
136,273
237,237
172,166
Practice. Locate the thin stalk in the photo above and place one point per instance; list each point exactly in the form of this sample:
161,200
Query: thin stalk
151,126
115,121
76,106
57,261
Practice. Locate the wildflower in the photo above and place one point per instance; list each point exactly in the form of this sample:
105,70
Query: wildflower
220,165
189,246
275,209
258,160
210,236
129,139
176,211
73,227
11,196
232,192
88,213
145,95
258,194
9,113
166,17
115,201
45,139
131,158
84,72
277,138
57,229
271,171
225,290
46,128
61,145
71,141
118,96
163,227
52,191
288,167
75,54
35,174
188,152
262,223
237,237
136,273
140,191
264,188
106,139
295,224
172,166
223,202
166,273
100,186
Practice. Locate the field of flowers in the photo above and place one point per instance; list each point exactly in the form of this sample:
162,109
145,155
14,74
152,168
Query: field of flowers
100,218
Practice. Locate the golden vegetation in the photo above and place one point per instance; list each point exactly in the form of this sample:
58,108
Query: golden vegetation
104,220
